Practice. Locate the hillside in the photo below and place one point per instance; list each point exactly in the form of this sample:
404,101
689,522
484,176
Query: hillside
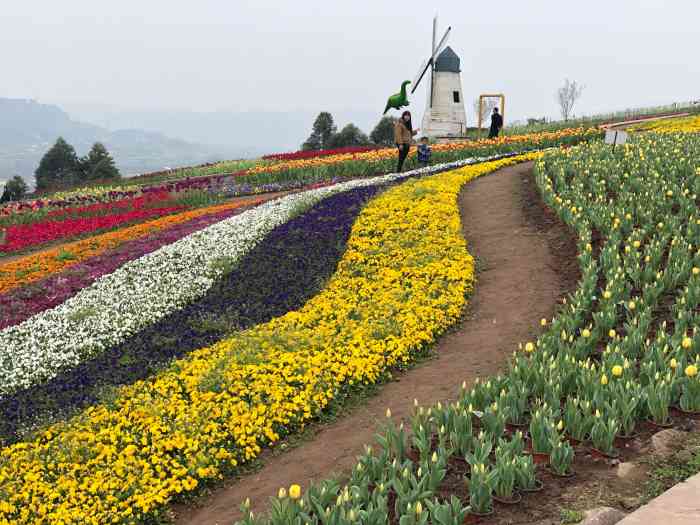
238,133
28,128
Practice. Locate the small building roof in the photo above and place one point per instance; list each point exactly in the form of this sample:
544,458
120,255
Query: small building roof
447,61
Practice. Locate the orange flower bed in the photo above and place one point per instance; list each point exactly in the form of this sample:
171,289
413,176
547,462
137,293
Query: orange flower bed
41,264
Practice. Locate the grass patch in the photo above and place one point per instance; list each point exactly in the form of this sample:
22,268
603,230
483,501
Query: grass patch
80,315
665,472
569,516
64,256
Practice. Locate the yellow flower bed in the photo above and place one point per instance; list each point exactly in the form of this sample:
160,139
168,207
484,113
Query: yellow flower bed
402,281
689,124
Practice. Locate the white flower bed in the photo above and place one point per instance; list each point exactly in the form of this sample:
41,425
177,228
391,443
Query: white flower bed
143,291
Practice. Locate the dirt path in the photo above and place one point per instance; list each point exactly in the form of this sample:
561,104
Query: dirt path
524,260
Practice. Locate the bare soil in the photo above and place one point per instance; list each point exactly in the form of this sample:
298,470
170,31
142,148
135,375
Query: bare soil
525,263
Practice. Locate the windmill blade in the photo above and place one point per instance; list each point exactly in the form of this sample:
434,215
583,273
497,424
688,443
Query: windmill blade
421,73
432,49
442,43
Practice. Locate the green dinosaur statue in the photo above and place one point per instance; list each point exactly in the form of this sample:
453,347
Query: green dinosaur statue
398,100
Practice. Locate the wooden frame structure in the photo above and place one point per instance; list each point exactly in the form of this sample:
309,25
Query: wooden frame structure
481,106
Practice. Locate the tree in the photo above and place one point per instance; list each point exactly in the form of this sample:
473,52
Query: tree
15,189
321,133
567,95
58,167
98,164
350,135
383,132
486,108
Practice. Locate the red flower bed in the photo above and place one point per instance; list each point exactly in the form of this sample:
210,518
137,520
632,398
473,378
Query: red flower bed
198,183
25,235
297,155
107,208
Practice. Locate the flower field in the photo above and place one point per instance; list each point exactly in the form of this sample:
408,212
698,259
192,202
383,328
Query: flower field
41,264
392,293
140,293
33,234
261,286
45,279
142,363
690,124
622,350
383,160
298,155
287,171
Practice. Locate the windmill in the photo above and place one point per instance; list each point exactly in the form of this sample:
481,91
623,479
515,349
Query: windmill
444,111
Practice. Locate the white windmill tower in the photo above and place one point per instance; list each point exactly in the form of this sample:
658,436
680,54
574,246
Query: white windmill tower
444,112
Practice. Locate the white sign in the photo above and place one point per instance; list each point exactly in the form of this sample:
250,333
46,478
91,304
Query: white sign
615,137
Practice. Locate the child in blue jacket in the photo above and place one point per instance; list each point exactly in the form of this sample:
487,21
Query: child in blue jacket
424,152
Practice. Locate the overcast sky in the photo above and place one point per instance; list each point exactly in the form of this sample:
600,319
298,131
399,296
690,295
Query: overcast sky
204,55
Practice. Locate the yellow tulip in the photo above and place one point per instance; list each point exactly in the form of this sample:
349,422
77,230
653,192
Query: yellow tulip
295,491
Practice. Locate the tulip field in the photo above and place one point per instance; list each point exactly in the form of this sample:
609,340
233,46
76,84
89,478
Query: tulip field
689,124
157,337
622,351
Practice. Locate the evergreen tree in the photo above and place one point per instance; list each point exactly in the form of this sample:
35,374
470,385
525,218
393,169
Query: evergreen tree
58,167
321,133
99,164
383,132
350,135
15,189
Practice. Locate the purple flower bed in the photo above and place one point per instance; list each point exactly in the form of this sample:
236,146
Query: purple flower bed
22,303
289,266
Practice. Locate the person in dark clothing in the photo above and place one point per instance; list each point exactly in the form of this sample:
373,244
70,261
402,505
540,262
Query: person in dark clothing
403,136
496,124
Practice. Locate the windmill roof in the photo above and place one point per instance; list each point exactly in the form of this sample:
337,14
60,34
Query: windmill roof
447,61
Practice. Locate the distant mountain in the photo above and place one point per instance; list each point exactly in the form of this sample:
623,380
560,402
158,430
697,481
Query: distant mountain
28,129
147,140
246,133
